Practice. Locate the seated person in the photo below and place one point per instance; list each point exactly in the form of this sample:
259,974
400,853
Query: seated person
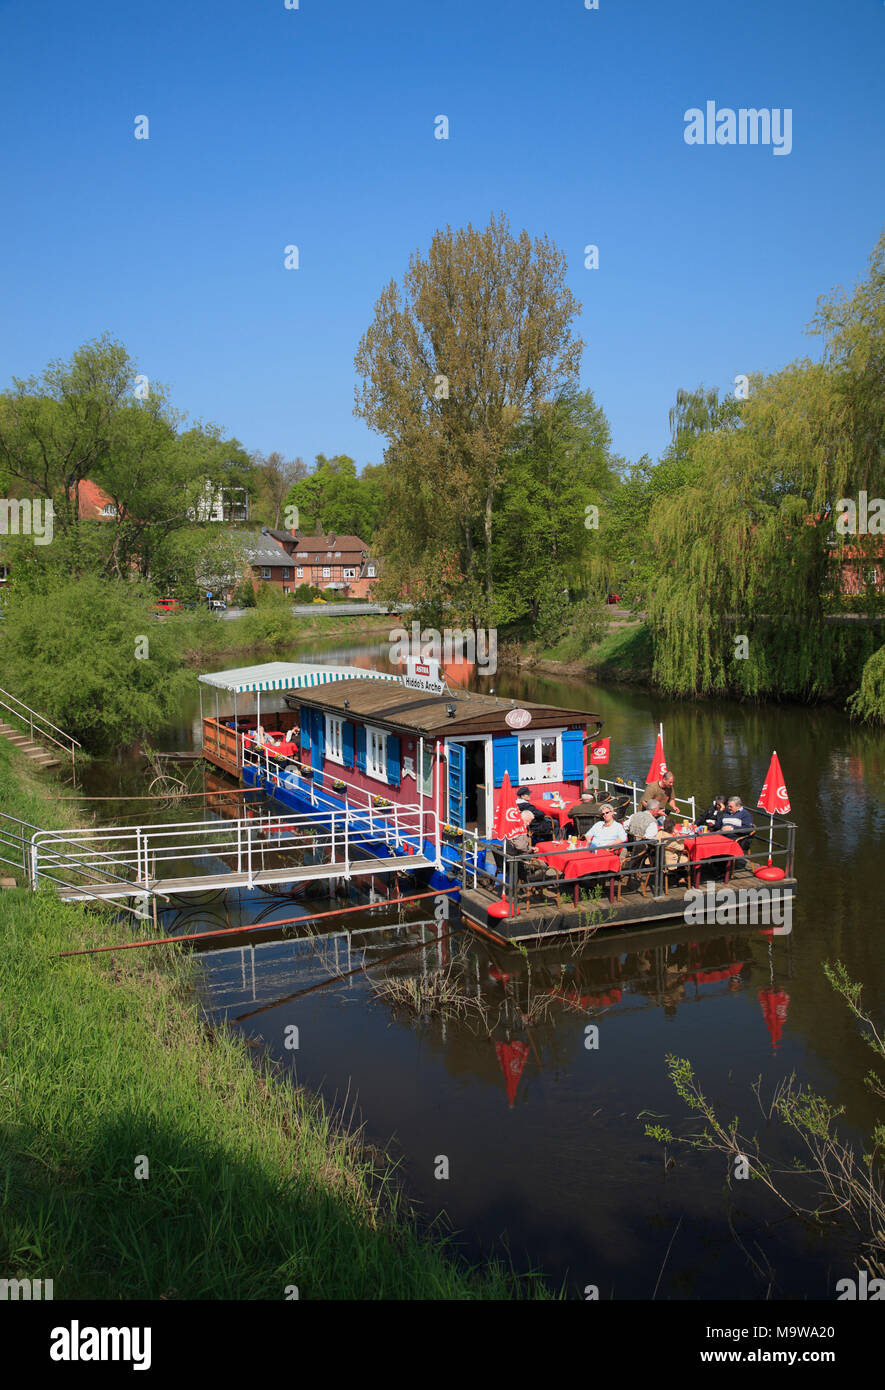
538,826
607,833
642,829
737,822
584,814
674,853
712,815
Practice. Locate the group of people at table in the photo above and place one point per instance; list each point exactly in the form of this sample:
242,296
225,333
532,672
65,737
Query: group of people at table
607,836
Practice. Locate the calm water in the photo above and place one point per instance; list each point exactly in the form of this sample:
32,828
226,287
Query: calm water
543,1137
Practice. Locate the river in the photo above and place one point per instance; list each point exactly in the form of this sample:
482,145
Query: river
506,1122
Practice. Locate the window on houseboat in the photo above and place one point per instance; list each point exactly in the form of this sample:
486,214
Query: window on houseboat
427,771
376,754
333,738
539,759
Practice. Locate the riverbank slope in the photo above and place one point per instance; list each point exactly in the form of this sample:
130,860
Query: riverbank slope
145,1158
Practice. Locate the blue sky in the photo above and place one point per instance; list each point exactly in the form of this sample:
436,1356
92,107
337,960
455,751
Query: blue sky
314,127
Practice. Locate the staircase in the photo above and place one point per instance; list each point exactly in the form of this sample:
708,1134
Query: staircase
35,752
42,742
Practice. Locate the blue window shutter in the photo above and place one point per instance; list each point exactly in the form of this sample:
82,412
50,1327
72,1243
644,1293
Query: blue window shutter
393,760
572,755
347,743
319,743
360,747
505,758
305,718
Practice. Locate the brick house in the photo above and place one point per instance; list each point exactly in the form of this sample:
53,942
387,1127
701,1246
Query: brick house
340,563
268,561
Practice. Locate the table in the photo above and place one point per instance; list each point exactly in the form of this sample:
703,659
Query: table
700,847
576,862
559,814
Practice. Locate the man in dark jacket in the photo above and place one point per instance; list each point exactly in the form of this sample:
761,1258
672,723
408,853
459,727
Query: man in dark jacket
736,822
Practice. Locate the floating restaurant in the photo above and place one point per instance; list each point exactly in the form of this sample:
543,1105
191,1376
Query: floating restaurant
412,770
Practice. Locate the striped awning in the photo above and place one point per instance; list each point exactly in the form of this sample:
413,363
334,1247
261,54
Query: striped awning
286,675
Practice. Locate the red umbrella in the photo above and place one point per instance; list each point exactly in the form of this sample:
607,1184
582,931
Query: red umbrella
774,796
507,819
512,1058
775,1003
658,762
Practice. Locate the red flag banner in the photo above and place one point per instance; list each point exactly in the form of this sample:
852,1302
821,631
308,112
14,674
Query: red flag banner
774,796
507,821
658,762
599,750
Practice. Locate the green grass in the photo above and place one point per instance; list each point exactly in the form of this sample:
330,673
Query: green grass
624,654
251,1187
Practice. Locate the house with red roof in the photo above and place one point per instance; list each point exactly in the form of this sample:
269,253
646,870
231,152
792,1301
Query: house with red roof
340,563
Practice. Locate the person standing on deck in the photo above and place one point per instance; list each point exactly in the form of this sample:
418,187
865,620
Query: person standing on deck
661,791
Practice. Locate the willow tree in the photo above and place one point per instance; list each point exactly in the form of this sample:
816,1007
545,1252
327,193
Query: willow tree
746,558
477,336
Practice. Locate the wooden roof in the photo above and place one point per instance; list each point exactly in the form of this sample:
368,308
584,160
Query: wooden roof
416,712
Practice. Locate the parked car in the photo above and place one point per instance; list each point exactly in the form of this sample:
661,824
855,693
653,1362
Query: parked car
217,605
167,605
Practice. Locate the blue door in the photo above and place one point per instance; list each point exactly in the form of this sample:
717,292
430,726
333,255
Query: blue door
456,784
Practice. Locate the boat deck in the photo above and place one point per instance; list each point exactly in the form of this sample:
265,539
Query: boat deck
765,903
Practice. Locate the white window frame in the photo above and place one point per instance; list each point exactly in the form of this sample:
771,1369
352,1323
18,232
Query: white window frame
370,572
348,573
334,739
376,753
327,571
287,571
299,571
286,589
533,774
266,572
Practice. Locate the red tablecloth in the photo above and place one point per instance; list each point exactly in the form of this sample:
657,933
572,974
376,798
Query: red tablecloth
574,863
558,814
710,847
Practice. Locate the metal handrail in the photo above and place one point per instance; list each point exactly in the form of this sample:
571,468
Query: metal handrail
70,744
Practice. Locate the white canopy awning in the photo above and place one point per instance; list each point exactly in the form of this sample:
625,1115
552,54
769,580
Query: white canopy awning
286,675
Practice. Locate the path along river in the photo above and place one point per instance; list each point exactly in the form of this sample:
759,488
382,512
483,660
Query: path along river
547,1160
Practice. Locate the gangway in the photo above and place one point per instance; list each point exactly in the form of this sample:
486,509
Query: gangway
196,856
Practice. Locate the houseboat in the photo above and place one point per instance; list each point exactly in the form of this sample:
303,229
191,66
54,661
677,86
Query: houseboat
413,768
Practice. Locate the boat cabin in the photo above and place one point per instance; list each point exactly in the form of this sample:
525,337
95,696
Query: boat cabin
448,752
251,697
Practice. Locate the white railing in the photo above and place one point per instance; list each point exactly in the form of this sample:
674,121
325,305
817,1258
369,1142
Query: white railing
356,799
639,792
146,855
45,729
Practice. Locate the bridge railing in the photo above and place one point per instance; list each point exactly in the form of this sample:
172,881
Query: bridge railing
143,855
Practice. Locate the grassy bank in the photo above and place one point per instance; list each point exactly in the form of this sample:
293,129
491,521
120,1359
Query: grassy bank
248,1189
624,655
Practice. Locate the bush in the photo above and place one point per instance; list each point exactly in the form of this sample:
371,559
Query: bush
90,655
244,595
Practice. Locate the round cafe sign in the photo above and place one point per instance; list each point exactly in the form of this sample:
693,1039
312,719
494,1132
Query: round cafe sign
517,718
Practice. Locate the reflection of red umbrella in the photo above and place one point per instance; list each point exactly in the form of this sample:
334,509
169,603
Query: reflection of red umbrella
658,762
507,819
775,1003
512,1057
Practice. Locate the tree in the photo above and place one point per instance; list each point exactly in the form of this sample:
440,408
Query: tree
91,656
479,335
274,477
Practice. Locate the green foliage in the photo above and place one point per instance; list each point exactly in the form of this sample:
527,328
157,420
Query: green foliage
868,701
333,496
70,651
244,595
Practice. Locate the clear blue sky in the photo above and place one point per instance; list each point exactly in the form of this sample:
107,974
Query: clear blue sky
314,126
